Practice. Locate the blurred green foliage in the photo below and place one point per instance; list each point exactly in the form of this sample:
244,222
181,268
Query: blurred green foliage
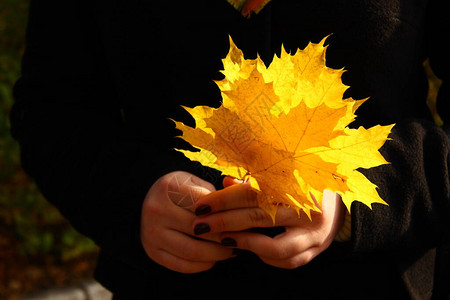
29,225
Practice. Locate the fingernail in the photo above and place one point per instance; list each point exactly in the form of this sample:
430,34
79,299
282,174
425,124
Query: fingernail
202,210
201,228
228,242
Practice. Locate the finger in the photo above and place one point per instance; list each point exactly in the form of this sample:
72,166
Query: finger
183,224
246,218
295,261
283,246
229,181
333,208
287,216
265,246
180,219
184,189
232,220
191,179
300,247
177,264
235,196
189,248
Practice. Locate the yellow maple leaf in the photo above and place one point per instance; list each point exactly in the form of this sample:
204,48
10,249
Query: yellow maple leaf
286,127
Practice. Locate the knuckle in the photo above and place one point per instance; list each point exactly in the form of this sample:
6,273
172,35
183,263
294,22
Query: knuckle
219,223
153,208
205,267
149,209
219,203
279,253
321,239
165,180
146,244
292,264
305,260
242,241
171,180
187,268
258,217
190,268
191,252
250,195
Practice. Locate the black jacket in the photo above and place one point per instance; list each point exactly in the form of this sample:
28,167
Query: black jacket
101,78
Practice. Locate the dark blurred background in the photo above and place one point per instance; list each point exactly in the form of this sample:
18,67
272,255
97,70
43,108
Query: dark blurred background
38,248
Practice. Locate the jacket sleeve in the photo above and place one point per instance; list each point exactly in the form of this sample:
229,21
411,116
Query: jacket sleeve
416,183
76,142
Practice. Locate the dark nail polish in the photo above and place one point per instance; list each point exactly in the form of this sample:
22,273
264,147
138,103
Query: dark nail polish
228,242
201,228
203,210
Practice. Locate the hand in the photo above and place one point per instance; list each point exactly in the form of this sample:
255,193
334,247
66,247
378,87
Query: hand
166,225
233,210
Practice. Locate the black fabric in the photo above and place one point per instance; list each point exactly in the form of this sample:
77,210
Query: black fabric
101,78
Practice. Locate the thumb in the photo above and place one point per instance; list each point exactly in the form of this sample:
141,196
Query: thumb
229,181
